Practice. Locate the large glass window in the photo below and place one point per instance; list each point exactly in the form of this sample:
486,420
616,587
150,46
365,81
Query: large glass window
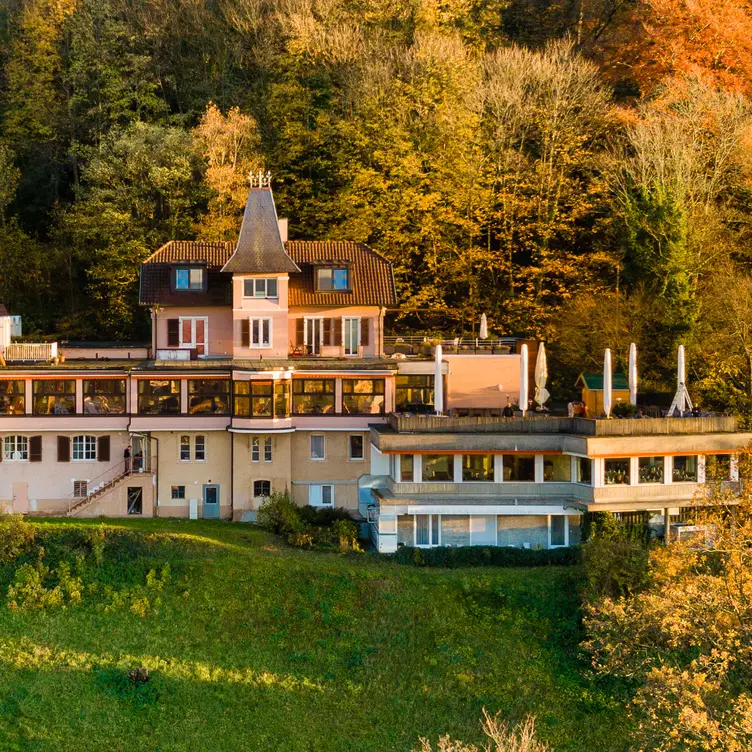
12,399
363,396
209,396
519,467
557,468
685,469
159,396
455,530
313,396
616,472
84,448
406,468
583,469
257,399
415,393
55,397
16,448
104,396
651,470
438,467
478,467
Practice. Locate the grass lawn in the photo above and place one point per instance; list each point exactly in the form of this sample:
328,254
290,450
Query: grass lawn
257,646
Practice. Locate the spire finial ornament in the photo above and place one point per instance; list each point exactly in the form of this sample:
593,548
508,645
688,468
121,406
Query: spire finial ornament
261,179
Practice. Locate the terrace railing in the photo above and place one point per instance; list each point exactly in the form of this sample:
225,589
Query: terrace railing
420,345
30,352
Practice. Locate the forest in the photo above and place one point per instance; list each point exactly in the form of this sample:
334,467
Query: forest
578,170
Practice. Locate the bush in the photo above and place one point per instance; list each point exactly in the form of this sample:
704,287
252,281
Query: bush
16,537
323,516
485,556
280,514
346,532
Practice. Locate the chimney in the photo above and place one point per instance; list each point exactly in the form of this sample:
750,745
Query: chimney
282,229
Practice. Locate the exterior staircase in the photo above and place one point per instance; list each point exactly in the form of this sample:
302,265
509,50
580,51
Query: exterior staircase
77,504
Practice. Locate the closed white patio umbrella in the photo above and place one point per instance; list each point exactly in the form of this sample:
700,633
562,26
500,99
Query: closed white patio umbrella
541,376
607,383
633,374
438,386
483,333
523,379
681,401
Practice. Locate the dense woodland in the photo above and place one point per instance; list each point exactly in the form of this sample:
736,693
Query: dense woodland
579,170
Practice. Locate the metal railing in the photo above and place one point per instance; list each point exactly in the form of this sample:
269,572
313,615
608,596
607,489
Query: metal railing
107,479
30,352
421,345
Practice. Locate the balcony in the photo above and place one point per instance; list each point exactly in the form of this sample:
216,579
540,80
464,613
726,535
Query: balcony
421,346
30,352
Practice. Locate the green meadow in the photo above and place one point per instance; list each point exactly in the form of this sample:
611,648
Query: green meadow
252,645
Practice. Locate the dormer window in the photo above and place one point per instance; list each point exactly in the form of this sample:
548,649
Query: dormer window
189,279
332,278
260,288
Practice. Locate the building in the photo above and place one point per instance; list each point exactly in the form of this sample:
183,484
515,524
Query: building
269,370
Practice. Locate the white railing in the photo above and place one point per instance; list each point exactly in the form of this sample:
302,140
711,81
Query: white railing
30,351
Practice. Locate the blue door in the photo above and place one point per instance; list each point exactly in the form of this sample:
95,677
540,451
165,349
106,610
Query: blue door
211,503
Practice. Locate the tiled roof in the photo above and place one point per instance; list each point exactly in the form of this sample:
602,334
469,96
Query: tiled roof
371,279
214,255
259,249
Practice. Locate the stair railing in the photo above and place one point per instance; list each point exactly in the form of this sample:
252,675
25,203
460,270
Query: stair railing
136,466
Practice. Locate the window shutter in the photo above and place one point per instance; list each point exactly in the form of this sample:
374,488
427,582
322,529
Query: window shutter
63,449
103,448
173,332
35,449
337,333
299,331
245,333
327,331
365,332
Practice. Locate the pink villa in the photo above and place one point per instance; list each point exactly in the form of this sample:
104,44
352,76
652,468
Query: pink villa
269,369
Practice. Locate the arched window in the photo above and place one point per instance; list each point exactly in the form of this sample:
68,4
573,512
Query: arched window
16,448
262,488
84,447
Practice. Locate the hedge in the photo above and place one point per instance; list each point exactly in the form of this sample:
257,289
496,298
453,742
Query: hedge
486,556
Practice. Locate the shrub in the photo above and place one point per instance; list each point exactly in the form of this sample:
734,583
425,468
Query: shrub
30,590
346,533
485,556
280,514
16,537
323,516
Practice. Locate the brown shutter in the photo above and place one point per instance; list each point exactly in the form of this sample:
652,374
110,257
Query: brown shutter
299,331
63,449
337,332
365,332
327,331
103,448
173,332
245,333
35,449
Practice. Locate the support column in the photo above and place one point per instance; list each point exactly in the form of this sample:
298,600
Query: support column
666,525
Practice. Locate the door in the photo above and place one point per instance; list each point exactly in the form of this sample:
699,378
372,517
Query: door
211,503
140,454
135,500
314,335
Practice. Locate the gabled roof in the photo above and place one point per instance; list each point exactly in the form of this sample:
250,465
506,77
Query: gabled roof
260,249
594,381
213,254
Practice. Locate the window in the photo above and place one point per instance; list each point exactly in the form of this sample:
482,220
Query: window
651,470
80,489
317,447
477,467
557,468
261,332
193,333
15,448
54,397
415,394
438,467
262,488
208,396
158,396
185,448
363,396
257,399
351,337
84,448
331,279
199,448
406,468
321,495
684,469
12,397
616,472
558,530
519,467
357,447
260,288
104,396
189,279
257,443
313,396
177,492
313,335
583,470
455,530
